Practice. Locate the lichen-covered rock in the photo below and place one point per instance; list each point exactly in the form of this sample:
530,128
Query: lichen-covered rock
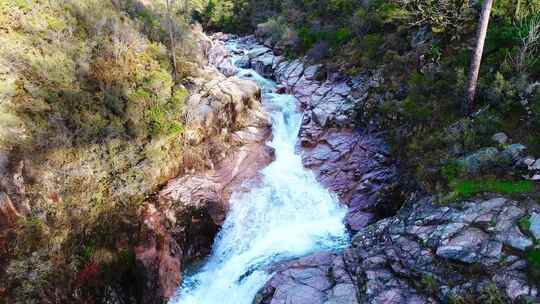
480,160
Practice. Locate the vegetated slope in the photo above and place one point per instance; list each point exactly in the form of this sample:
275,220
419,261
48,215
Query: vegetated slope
90,125
419,51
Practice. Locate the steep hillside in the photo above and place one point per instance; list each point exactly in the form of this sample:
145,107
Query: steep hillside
419,53
94,119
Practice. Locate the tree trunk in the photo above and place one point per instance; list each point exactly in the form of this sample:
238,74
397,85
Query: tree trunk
171,37
470,90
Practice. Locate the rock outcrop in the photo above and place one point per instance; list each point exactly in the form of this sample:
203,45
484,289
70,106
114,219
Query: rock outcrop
427,253
319,278
159,256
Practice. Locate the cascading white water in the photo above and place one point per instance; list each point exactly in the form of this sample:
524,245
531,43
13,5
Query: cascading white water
289,214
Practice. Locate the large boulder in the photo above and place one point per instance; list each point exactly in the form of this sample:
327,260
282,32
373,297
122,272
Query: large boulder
354,164
158,258
220,105
317,279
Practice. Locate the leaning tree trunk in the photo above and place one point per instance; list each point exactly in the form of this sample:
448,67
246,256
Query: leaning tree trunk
171,36
470,89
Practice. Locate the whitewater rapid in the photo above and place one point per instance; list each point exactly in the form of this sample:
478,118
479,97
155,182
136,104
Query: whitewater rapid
289,214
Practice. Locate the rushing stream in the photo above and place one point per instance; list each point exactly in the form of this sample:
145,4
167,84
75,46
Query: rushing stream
289,214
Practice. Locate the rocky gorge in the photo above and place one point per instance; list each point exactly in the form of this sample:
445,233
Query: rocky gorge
351,162
418,252
412,250
279,189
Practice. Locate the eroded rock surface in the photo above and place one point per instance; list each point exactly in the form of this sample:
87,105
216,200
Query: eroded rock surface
427,253
159,256
319,278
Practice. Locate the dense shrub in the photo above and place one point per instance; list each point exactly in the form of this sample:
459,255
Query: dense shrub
89,102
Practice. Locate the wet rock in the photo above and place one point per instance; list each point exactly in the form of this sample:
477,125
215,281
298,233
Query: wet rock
259,51
315,279
263,64
243,62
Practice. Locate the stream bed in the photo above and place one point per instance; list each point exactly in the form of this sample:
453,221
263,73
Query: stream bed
287,215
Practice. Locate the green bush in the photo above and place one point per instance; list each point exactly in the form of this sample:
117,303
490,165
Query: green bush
274,28
469,188
390,12
448,18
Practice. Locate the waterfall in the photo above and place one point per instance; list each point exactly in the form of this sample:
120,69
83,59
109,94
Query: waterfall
287,215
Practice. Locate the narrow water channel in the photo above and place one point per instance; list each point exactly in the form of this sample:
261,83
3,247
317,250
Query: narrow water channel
289,214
